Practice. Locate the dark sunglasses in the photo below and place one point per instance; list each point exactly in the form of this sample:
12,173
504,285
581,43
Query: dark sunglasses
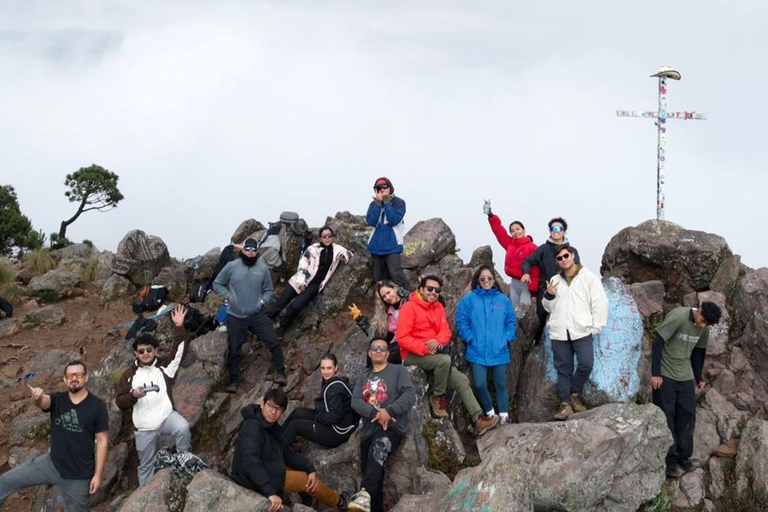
381,187
563,256
379,349
557,229
250,248
147,350
327,236
486,279
435,289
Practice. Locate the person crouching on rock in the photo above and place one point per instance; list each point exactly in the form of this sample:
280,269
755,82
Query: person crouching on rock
332,421
316,266
146,387
262,464
386,311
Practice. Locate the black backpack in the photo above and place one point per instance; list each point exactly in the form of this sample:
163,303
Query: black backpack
200,289
6,307
141,326
196,322
149,298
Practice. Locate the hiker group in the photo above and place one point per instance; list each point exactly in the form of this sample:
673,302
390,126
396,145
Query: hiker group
408,327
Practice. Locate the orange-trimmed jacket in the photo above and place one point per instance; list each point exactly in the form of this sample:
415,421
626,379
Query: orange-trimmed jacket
419,322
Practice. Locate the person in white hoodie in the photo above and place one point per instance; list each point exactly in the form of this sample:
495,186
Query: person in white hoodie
146,387
578,309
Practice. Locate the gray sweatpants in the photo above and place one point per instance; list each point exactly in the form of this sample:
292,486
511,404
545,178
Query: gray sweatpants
147,443
519,292
41,471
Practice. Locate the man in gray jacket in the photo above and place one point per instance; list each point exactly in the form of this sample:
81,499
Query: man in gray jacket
383,396
245,284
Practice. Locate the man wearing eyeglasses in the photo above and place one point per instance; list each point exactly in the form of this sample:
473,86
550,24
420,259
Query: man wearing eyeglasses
424,337
246,285
77,419
578,308
383,396
261,462
544,257
146,387
385,214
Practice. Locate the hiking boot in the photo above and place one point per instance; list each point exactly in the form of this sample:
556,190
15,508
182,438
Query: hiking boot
232,388
687,465
484,424
439,406
280,379
578,405
565,411
360,501
675,472
343,503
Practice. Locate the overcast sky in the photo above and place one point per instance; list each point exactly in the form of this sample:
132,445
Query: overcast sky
214,112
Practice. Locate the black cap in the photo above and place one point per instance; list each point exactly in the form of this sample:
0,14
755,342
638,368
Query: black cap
250,242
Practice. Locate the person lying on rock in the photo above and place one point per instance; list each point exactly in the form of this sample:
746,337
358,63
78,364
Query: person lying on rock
578,309
262,464
77,419
677,361
316,267
383,396
486,322
386,311
246,285
332,421
146,388
424,338
386,213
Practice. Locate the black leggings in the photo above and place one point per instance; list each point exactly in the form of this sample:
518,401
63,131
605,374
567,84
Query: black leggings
302,423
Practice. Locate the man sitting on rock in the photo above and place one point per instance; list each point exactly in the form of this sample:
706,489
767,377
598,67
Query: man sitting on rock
424,338
382,397
246,285
578,309
676,368
77,418
146,387
262,464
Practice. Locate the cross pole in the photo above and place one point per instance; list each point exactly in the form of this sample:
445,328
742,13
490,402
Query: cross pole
661,116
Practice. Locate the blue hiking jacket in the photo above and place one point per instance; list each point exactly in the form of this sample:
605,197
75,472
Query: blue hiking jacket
486,322
389,228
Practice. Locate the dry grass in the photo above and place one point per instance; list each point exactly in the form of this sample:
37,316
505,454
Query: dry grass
39,262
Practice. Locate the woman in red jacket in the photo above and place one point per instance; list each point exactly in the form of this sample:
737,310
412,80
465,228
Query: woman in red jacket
518,246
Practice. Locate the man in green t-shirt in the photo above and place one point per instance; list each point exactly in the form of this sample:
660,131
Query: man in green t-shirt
676,366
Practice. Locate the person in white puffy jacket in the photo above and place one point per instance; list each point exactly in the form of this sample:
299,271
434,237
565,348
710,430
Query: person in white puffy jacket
578,309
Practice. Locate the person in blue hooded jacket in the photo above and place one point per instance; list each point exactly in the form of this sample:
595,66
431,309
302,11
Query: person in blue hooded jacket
486,321
385,214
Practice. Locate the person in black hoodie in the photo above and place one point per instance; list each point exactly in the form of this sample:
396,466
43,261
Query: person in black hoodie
262,464
332,421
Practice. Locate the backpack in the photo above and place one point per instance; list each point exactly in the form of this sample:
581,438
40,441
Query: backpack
182,465
140,326
272,244
196,322
149,298
6,307
200,289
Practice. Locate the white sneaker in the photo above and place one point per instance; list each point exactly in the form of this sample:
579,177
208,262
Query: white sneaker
221,328
360,501
503,418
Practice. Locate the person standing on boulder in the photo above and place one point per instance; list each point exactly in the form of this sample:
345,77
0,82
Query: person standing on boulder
544,257
146,387
518,246
578,308
77,419
424,338
246,285
385,214
382,397
677,361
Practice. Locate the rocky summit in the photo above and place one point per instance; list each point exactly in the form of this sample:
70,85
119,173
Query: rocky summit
609,458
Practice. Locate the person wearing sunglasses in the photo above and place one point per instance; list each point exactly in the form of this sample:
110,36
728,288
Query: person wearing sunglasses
544,257
578,308
486,323
386,311
146,387
424,337
518,246
383,396
385,214
263,464
245,284
316,266
78,418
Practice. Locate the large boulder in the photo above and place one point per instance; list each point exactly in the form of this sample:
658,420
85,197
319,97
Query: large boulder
684,260
427,242
49,316
175,278
190,391
115,288
140,257
752,461
77,254
54,284
210,490
246,229
164,493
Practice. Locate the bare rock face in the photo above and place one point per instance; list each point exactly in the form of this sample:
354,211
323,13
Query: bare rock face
156,496
649,297
190,391
54,284
427,242
245,229
77,254
140,257
116,288
49,316
175,278
211,491
752,461
684,260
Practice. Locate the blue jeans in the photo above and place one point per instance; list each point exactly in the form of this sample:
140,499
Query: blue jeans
480,380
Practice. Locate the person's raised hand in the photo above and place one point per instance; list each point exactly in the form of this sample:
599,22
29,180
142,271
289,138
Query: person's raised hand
355,312
178,315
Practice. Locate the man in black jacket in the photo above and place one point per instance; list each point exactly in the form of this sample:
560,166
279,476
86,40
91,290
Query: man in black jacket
263,465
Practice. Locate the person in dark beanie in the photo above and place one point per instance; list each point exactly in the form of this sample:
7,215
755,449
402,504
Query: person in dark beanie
385,214
677,361
245,284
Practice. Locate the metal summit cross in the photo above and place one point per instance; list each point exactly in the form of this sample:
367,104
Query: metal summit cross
661,116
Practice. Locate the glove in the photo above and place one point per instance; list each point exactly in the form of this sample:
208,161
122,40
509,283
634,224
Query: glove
444,349
487,207
377,201
386,199
355,312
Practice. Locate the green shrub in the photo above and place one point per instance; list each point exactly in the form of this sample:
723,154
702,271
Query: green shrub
13,293
39,262
662,502
7,273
